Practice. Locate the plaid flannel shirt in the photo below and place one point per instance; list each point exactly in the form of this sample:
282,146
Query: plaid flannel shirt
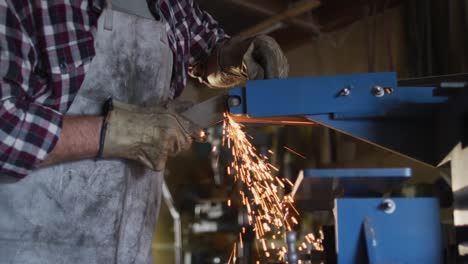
45,50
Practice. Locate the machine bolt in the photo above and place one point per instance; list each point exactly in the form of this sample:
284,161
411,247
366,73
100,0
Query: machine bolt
388,90
388,206
234,101
378,91
345,92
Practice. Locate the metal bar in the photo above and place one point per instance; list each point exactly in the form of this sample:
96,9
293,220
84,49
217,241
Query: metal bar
350,173
359,182
177,223
315,95
287,120
299,9
291,239
353,95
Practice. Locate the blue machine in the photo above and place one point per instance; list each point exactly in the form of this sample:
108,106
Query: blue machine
381,230
428,124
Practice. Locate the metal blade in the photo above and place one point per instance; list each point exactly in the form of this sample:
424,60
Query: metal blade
207,113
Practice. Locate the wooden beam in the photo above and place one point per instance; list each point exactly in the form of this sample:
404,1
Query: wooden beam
296,22
337,14
296,10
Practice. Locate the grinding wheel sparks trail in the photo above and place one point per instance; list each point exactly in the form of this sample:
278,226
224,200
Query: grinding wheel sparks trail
261,193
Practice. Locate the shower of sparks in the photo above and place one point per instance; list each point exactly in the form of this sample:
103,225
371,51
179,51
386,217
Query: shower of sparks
261,193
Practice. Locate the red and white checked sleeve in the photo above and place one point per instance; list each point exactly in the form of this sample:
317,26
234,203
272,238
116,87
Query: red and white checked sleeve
28,131
43,59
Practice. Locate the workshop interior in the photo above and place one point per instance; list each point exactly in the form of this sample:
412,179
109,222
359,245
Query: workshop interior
369,130
358,156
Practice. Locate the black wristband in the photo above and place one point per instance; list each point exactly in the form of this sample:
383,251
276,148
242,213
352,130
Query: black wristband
106,108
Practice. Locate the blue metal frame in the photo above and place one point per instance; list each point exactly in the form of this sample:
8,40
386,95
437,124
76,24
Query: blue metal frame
367,234
401,120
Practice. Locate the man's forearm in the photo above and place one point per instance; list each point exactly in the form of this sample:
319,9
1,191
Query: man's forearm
78,140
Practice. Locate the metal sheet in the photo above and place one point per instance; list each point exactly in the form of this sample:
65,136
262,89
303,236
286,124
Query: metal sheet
208,113
413,138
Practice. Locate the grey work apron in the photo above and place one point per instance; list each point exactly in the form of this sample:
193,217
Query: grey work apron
87,211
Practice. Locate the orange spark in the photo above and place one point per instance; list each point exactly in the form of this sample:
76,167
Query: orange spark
264,245
294,152
272,244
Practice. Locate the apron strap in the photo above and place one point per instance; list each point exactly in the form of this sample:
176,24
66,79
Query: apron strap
108,19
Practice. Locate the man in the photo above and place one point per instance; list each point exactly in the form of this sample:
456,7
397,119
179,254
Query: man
91,179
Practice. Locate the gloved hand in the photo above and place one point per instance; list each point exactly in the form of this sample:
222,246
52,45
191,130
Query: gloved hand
240,59
148,135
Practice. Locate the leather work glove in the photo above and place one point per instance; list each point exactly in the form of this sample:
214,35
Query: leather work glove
240,59
148,135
